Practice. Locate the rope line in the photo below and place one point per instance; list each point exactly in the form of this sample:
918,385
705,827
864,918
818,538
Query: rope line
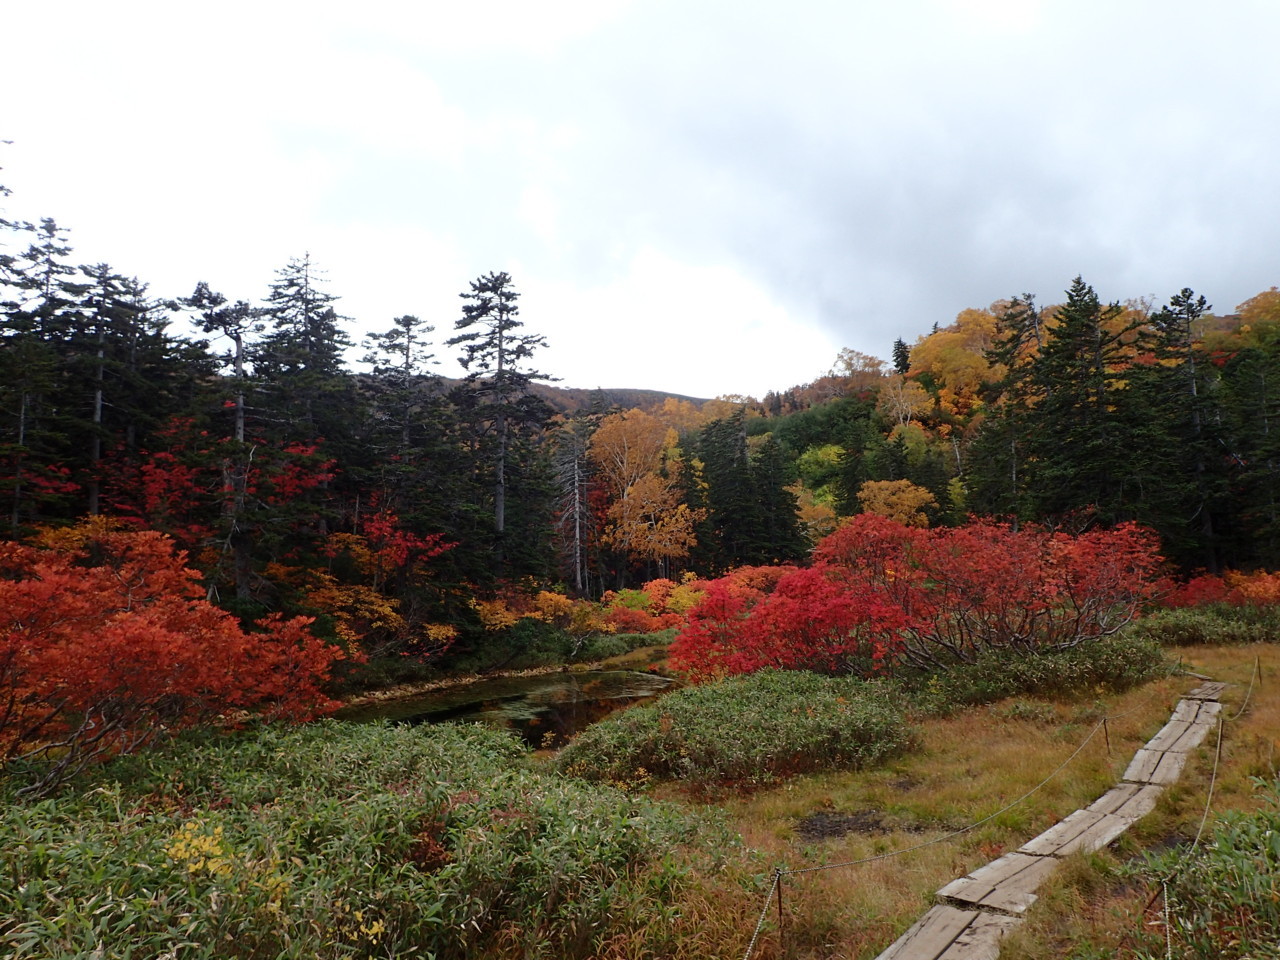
1213,780
751,947
779,873
1257,670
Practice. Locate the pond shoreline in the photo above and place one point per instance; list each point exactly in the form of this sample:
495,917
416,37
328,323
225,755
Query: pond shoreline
406,691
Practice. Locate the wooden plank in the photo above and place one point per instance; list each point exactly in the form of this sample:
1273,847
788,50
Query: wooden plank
1197,711
1209,710
1061,835
981,939
931,935
973,887
1142,802
1142,766
1115,798
1169,768
1169,734
1193,737
1207,691
1015,894
1095,837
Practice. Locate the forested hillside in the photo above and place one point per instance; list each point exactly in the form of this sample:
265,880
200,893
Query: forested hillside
393,504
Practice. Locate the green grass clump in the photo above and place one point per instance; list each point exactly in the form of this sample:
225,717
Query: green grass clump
607,645
1116,664
749,729
335,840
1217,623
1225,900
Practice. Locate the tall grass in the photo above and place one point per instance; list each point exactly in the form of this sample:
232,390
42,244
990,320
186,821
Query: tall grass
1225,900
1114,664
338,840
750,729
1215,623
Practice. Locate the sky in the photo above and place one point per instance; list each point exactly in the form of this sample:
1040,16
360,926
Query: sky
700,197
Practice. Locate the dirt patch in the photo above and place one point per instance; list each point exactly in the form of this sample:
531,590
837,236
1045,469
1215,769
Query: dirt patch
826,825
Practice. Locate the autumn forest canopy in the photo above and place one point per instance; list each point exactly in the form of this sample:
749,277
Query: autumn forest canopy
412,515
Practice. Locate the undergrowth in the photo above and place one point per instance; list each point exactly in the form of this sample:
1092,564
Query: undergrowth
748,730
336,840
1224,901
1115,664
1215,623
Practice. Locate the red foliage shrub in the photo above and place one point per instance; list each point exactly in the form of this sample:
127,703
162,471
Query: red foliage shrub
105,637
879,591
1259,588
630,620
1198,591
704,648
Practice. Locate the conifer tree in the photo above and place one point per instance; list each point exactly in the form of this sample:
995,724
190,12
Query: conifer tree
901,356
299,363
1084,460
497,388
995,471
38,324
780,539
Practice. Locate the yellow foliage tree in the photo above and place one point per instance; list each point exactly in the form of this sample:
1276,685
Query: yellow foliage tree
651,522
1261,310
627,446
899,500
682,416
902,400
727,404
858,371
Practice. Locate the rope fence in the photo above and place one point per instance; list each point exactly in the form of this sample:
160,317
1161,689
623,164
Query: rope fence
1167,912
779,874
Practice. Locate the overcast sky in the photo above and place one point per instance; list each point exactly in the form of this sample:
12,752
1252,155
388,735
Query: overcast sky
701,197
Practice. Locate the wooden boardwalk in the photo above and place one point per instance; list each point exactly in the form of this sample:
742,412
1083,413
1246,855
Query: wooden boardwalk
974,912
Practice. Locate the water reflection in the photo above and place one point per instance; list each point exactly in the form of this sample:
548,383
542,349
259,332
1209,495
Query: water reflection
545,710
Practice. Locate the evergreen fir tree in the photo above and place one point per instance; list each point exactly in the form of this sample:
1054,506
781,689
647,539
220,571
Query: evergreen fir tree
901,356
496,395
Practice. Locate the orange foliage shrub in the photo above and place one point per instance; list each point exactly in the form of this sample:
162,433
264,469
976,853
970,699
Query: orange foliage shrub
105,638
629,620
1259,589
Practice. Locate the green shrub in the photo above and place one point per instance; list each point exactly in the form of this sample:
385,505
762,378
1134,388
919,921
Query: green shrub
606,645
1225,901
658,638
1118,663
751,728
335,840
1217,623
603,647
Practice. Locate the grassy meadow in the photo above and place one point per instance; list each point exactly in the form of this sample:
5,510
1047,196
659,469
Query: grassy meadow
655,835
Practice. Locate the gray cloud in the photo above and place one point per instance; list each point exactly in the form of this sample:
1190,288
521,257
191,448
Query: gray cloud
869,168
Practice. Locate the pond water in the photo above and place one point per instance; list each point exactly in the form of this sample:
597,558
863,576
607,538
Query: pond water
546,710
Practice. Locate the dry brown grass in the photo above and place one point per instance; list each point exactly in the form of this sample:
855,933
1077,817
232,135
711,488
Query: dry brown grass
968,768
1107,919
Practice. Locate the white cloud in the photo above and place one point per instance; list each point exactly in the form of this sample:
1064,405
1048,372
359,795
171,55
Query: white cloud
700,330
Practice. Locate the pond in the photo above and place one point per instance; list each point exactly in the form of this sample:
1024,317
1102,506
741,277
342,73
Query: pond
545,710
